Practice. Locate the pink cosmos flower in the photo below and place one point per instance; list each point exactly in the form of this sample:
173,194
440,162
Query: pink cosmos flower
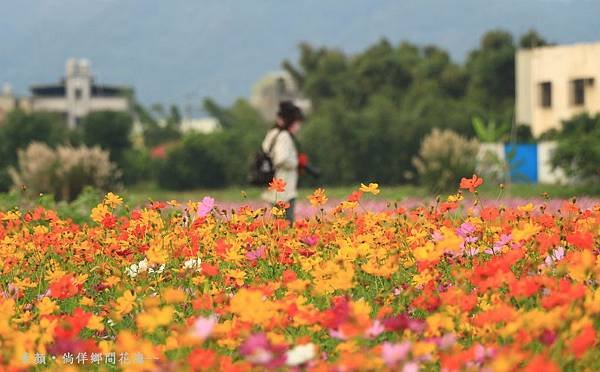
310,240
254,255
555,256
375,330
410,367
203,327
394,353
205,206
258,350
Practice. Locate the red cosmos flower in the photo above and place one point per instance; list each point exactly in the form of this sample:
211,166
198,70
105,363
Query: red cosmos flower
289,276
564,294
204,302
547,241
581,239
355,196
448,206
585,340
524,287
489,213
457,360
221,247
69,326
109,221
338,314
471,183
541,363
64,288
202,359
277,185
227,365
209,270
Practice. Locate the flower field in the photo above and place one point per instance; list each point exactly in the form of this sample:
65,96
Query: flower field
460,284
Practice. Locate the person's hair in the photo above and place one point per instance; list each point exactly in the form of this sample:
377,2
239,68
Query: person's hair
289,113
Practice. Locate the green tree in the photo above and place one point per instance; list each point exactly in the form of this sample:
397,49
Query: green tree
191,164
243,130
111,130
491,71
532,39
19,129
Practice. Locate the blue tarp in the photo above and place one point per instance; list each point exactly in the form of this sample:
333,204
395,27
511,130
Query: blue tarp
523,162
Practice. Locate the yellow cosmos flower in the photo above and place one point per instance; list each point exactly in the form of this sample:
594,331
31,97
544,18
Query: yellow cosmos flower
113,200
250,307
125,303
329,276
173,295
12,216
99,212
373,188
318,197
525,231
46,306
237,275
423,348
157,254
526,208
149,321
95,323
455,198
23,284
438,322
277,212
87,301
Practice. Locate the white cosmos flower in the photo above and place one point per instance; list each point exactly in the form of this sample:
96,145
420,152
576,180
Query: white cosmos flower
192,263
143,265
158,271
300,354
132,270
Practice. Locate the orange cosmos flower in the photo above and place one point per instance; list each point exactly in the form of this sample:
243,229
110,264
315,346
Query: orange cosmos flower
471,183
318,197
277,185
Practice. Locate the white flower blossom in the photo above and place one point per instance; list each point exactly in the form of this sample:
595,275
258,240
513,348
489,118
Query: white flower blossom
132,270
300,354
143,265
157,271
192,263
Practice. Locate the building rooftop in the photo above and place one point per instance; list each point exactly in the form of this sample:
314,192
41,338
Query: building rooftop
59,90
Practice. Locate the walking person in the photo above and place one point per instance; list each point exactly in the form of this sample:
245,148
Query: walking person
281,145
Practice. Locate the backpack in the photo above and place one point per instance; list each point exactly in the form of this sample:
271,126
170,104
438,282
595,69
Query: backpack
262,170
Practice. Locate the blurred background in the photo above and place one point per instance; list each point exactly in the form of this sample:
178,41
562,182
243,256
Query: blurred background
167,99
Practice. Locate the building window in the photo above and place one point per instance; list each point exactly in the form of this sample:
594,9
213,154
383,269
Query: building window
546,94
578,90
78,93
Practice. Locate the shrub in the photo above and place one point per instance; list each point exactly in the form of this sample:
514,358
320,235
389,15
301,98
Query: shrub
445,157
578,148
191,164
63,172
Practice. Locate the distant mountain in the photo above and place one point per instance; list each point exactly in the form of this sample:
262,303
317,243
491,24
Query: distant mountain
179,51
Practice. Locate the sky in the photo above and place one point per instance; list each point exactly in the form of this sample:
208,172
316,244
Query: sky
180,51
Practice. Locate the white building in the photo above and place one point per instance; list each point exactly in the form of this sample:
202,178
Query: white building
205,125
555,83
77,94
